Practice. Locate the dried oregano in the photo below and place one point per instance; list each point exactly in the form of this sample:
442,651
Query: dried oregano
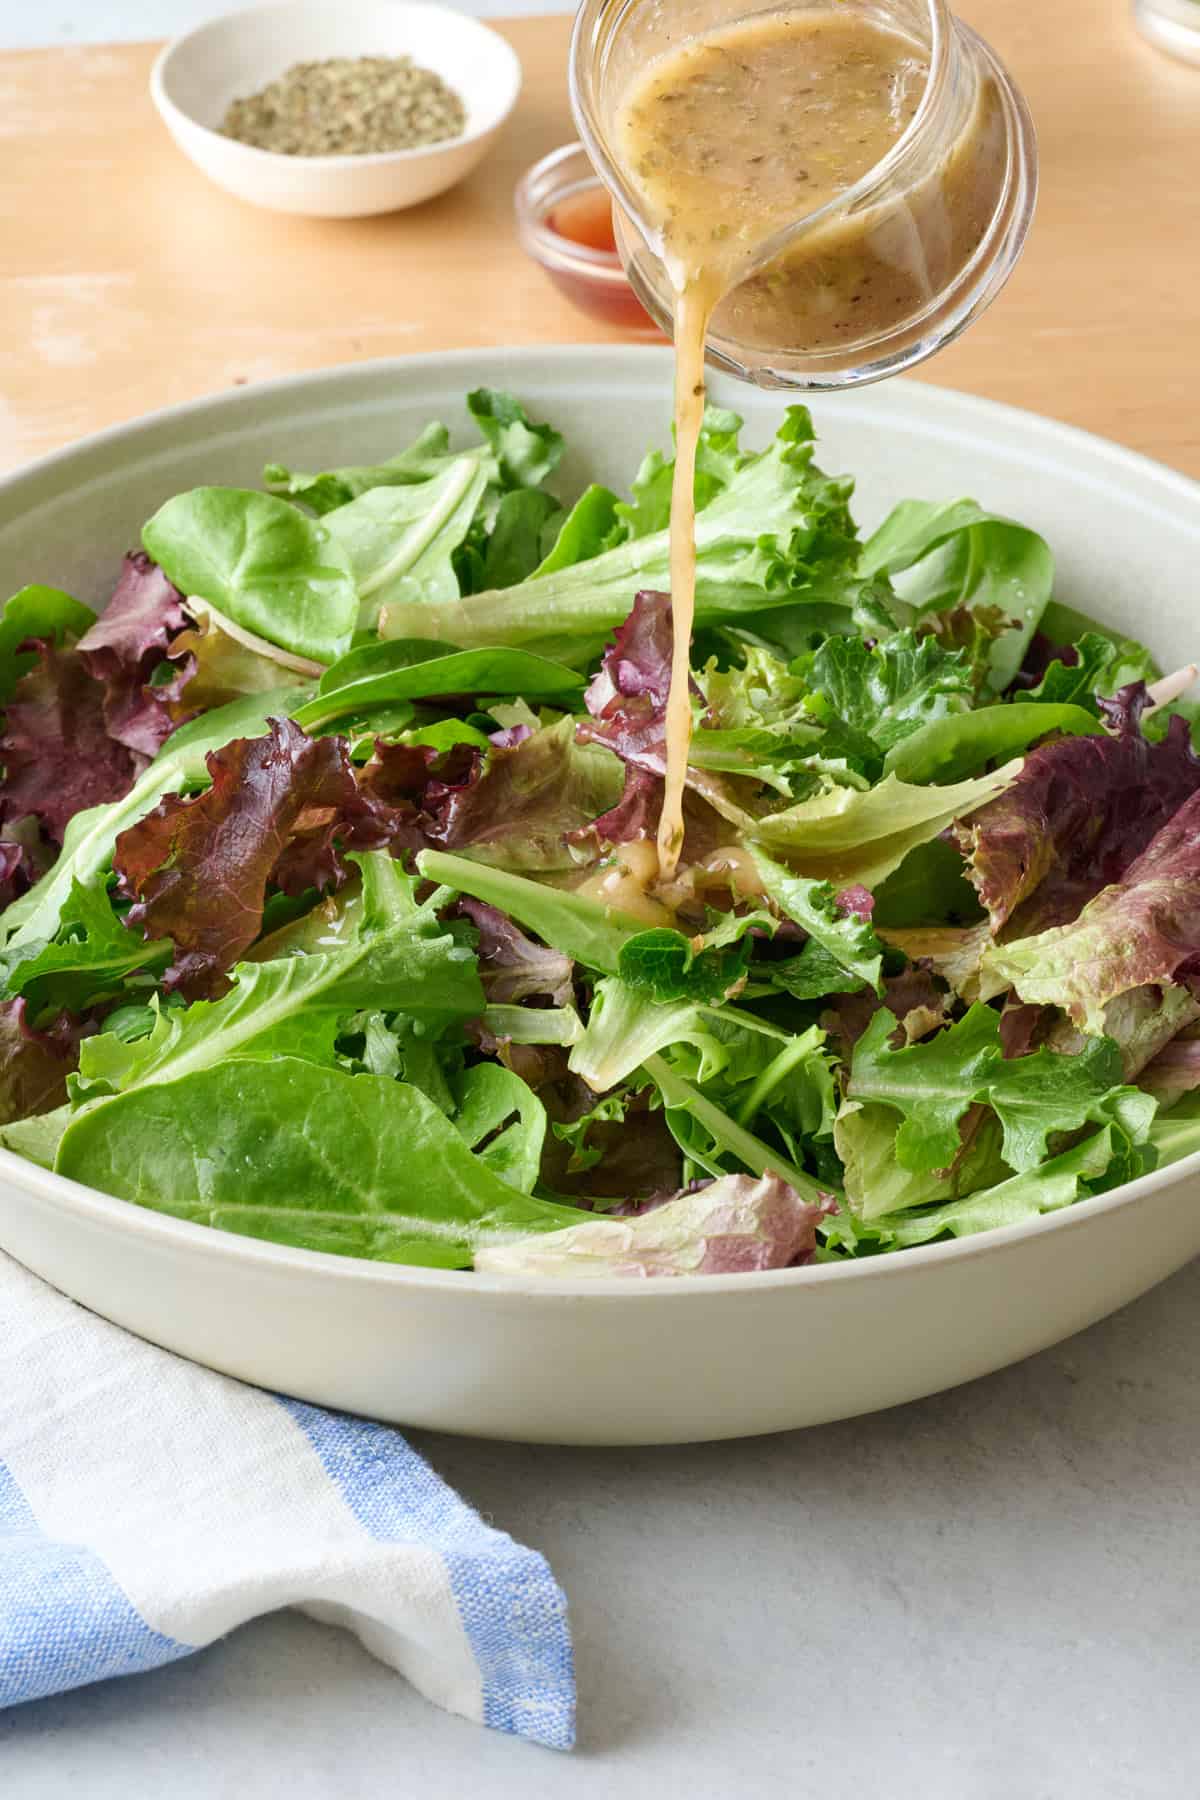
348,106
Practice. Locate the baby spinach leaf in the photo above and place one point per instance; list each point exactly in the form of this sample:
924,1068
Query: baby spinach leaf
399,541
384,674
951,749
262,563
357,1165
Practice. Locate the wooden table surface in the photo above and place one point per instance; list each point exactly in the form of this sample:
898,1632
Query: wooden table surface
127,282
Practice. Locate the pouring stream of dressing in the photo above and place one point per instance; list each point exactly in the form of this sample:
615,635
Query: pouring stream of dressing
731,139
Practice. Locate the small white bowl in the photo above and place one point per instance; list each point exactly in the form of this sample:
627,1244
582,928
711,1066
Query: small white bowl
196,77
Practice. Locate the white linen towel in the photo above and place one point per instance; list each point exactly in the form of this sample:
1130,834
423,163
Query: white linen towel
148,1506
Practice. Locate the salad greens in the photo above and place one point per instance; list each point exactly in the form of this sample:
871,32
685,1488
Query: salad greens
329,907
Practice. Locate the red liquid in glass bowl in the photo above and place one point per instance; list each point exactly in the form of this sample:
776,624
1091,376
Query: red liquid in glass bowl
564,217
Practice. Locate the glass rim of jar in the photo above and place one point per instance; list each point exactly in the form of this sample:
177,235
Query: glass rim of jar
587,37
538,191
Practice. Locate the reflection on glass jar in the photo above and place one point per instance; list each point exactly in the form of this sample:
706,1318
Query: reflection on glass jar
864,178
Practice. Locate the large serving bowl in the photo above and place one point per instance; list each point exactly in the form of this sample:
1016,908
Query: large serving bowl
614,1361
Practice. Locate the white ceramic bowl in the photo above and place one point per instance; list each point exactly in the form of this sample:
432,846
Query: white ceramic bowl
612,1361
196,77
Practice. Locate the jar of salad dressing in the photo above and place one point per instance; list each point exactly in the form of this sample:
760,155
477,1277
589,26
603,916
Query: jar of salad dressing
840,187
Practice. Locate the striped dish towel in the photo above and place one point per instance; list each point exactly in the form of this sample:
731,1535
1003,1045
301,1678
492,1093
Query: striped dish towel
148,1506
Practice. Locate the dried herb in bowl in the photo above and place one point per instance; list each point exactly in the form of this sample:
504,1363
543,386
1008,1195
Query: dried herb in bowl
348,106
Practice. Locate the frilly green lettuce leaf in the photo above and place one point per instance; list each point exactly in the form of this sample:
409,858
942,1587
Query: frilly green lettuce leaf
844,934
88,959
931,1084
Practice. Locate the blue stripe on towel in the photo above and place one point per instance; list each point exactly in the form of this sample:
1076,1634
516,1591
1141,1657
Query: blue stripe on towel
64,1621
512,1610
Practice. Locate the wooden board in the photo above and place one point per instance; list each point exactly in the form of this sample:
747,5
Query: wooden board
128,282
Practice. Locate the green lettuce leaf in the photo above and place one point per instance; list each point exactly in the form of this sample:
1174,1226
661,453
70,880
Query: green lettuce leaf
778,534
944,555
378,675
88,959
324,492
931,1084
501,1118
951,749
396,957
667,965
399,542
261,563
887,691
1102,1161
356,1165
846,836
584,929
35,612
843,934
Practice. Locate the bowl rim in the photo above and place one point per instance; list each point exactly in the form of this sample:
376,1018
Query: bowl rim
230,1249
170,108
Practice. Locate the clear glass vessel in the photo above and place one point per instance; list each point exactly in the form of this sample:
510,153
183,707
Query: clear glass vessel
936,226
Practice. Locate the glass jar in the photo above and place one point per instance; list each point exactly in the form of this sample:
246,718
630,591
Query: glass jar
929,235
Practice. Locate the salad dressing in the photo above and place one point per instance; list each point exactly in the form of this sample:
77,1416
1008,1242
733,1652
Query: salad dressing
731,140
626,882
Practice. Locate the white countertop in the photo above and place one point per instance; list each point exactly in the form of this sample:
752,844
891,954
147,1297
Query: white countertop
989,1595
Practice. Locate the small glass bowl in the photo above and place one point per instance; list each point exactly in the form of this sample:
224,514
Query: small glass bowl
592,279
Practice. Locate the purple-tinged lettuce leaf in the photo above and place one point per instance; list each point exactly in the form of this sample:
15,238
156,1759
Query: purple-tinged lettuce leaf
124,648
511,966
737,1225
279,810
915,998
34,1065
1143,928
525,804
1175,1071
628,696
56,751
1078,814
1140,1023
